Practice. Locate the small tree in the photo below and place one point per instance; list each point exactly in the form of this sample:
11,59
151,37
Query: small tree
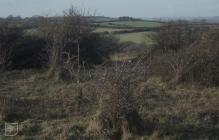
179,63
61,33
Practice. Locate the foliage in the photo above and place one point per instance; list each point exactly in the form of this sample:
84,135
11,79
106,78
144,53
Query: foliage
9,36
117,115
177,35
186,54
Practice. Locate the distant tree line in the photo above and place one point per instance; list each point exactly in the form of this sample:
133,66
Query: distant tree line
127,18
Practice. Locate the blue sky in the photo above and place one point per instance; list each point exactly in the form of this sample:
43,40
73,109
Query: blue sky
113,8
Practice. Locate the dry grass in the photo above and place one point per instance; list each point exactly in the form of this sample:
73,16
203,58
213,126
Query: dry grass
182,111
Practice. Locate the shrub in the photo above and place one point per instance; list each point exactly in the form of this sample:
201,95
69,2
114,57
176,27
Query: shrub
28,53
17,50
9,36
206,68
117,115
186,54
176,35
97,48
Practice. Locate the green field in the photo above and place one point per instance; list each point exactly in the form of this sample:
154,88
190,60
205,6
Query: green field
131,24
137,37
109,30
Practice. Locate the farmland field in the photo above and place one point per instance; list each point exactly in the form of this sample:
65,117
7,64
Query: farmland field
137,37
124,26
132,24
109,30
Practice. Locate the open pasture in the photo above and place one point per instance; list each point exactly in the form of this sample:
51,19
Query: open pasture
136,37
131,24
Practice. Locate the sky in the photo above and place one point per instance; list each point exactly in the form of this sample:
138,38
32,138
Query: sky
113,8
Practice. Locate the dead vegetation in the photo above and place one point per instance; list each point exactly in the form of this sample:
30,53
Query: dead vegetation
189,58
117,114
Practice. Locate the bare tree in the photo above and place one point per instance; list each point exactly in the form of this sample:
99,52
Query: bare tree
177,34
62,33
180,63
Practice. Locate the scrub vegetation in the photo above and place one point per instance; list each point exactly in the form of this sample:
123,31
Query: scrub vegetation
73,78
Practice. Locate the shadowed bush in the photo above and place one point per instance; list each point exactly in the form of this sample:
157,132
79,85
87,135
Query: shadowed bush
192,57
117,116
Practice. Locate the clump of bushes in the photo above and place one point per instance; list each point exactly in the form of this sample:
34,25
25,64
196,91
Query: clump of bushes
176,35
97,48
117,115
9,36
205,70
17,50
60,46
186,53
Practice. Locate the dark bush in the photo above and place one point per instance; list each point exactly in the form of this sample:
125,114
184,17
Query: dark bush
179,34
27,53
9,36
117,116
19,51
187,59
94,48
206,68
